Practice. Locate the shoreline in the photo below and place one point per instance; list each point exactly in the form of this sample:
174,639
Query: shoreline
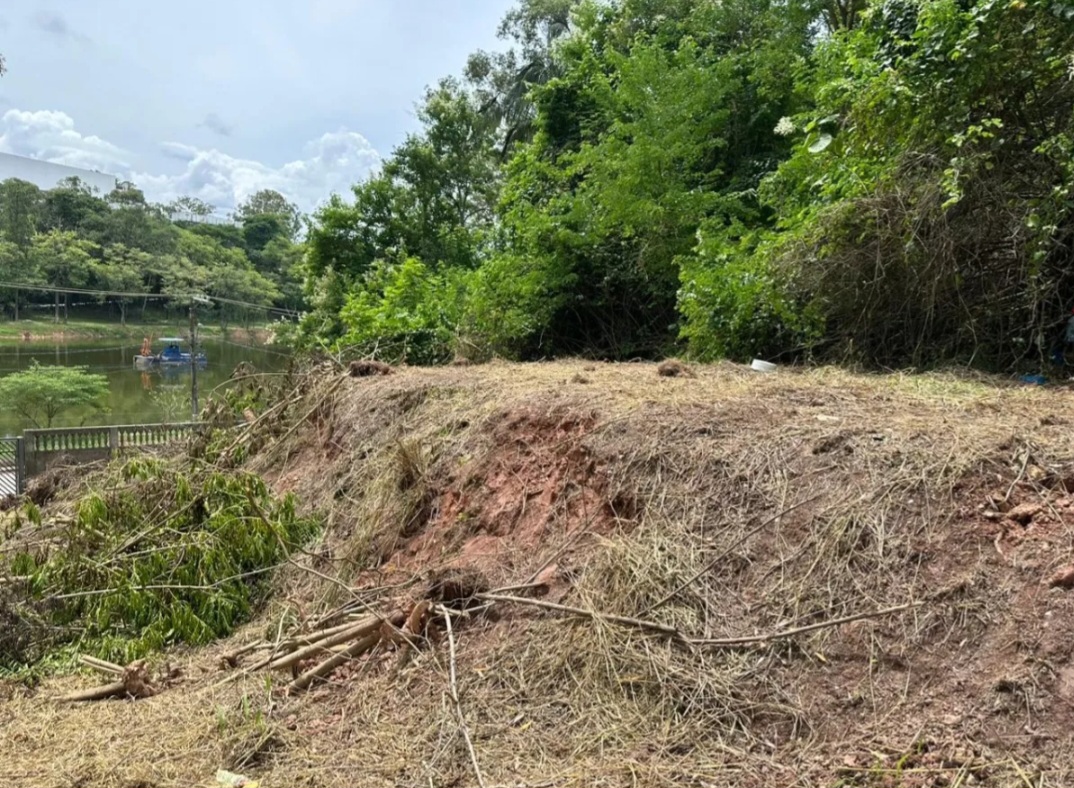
33,332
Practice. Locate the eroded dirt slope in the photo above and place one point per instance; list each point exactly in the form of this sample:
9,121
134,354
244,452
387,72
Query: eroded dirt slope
724,506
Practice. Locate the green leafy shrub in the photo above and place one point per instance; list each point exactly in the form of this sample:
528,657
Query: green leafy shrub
163,557
403,311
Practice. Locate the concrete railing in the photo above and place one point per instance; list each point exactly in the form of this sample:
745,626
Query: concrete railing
94,443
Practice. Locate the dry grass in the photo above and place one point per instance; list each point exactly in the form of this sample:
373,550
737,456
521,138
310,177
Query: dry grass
631,485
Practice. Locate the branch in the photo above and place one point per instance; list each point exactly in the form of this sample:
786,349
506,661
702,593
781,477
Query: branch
834,622
635,623
458,703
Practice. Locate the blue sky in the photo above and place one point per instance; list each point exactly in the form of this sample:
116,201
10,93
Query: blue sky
218,99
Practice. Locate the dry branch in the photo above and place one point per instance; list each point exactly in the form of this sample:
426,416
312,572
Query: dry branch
733,546
370,641
134,683
351,632
101,665
322,669
773,636
626,621
458,703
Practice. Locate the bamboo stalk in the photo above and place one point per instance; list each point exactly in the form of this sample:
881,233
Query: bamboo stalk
101,665
114,690
353,631
324,668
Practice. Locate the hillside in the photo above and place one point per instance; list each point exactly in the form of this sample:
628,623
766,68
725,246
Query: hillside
713,528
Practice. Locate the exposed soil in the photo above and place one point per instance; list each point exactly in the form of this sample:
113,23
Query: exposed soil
725,504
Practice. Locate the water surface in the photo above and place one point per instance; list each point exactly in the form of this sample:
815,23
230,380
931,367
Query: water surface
134,396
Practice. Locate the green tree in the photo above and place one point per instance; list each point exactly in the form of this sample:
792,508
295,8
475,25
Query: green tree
268,202
235,283
503,81
404,312
192,207
65,261
70,206
20,211
16,267
41,394
121,271
925,213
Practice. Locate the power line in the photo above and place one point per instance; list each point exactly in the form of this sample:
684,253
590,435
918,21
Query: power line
163,296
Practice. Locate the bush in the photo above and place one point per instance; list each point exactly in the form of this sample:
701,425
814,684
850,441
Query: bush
163,557
734,306
402,311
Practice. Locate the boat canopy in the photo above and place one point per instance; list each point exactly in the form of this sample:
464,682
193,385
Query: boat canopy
171,340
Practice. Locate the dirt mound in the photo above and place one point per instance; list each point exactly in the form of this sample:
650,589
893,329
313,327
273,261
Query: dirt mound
729,579
536,478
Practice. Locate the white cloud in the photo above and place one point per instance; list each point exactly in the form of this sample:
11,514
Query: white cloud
331,163
51,136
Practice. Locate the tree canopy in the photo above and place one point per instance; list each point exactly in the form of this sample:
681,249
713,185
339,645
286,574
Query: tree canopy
40,394
70,237
886,181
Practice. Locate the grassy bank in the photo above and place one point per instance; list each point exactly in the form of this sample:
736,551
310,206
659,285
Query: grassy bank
45,329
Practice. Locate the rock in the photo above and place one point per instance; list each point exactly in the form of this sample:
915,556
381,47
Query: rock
1064,578
1024,513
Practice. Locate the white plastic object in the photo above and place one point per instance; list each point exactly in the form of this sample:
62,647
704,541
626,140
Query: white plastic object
762,366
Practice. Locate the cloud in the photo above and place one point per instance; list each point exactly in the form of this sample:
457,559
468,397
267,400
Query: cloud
331,163
51,135
177,150
215,124
56,25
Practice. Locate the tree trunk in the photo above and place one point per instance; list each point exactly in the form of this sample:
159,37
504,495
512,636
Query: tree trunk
16,306
56,315
65,297
123,313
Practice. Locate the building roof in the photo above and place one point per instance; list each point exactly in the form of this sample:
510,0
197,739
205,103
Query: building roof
47,175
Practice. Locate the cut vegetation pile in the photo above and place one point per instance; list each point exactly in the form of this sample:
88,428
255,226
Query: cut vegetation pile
575,575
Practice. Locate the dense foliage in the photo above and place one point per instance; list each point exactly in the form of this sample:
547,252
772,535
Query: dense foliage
74,239
159,556
885,182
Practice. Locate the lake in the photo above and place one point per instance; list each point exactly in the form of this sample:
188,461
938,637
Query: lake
134,396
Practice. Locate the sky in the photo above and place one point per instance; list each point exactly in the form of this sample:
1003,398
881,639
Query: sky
217,99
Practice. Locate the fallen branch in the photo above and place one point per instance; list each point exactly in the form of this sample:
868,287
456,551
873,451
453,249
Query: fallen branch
772,636
114,690
458,703
133,684
317,647
323,669
626,621
101,665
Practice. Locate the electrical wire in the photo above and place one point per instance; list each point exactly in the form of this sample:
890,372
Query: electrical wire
163,296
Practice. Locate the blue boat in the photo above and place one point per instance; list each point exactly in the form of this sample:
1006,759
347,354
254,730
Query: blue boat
172,355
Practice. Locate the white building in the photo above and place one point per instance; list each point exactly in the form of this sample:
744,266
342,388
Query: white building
46,175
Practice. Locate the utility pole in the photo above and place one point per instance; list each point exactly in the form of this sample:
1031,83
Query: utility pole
194,301
193,361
